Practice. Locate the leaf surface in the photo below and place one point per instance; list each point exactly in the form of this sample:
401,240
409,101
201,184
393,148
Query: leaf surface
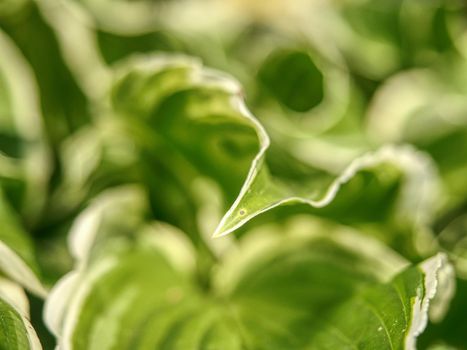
288,287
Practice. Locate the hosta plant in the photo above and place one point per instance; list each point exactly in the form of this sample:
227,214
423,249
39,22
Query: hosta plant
233,175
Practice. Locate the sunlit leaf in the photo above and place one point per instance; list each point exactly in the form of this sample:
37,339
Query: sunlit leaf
292,289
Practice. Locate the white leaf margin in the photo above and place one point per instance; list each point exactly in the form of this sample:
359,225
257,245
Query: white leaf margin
85,228
167,238
15,296
66,299
439,287
64,302
15,268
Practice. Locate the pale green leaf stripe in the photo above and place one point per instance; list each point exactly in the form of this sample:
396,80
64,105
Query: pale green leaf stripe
305,288
16,332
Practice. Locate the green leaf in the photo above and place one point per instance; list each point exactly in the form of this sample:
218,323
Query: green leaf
17,259
379,39
63,105
300,90
169,123
307,284
116,212
23,167
16,331
294,79
263,191
23,155
431,115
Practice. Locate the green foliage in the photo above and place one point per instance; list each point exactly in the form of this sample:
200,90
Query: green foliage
306,192
284,286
